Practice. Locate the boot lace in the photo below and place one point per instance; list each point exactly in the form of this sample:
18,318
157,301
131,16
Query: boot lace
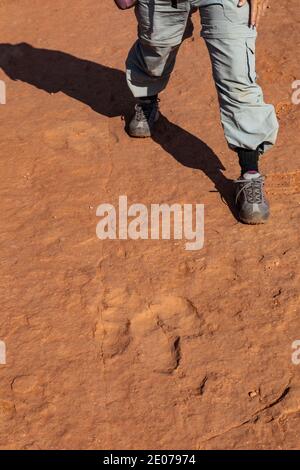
253,190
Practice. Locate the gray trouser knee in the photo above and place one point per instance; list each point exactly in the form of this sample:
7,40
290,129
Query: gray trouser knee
148,68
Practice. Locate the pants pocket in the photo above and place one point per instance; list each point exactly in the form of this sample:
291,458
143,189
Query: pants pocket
250,50
159,24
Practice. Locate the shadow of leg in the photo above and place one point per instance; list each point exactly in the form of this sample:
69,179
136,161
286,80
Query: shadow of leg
192,152
102,88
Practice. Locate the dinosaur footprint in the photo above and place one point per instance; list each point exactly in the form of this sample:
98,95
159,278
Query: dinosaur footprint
158,331
112,330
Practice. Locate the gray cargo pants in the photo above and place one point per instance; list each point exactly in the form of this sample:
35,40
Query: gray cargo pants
247,120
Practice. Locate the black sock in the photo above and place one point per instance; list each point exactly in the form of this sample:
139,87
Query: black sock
148,98
248,160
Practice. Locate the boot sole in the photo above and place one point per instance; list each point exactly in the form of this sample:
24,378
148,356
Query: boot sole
255,221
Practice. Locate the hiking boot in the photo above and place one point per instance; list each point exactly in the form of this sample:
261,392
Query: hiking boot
146,115
251,203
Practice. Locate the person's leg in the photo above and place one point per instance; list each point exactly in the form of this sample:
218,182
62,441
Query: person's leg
250,125
148,68
152,58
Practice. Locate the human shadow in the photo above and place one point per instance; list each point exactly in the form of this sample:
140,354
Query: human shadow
192,152
104,89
